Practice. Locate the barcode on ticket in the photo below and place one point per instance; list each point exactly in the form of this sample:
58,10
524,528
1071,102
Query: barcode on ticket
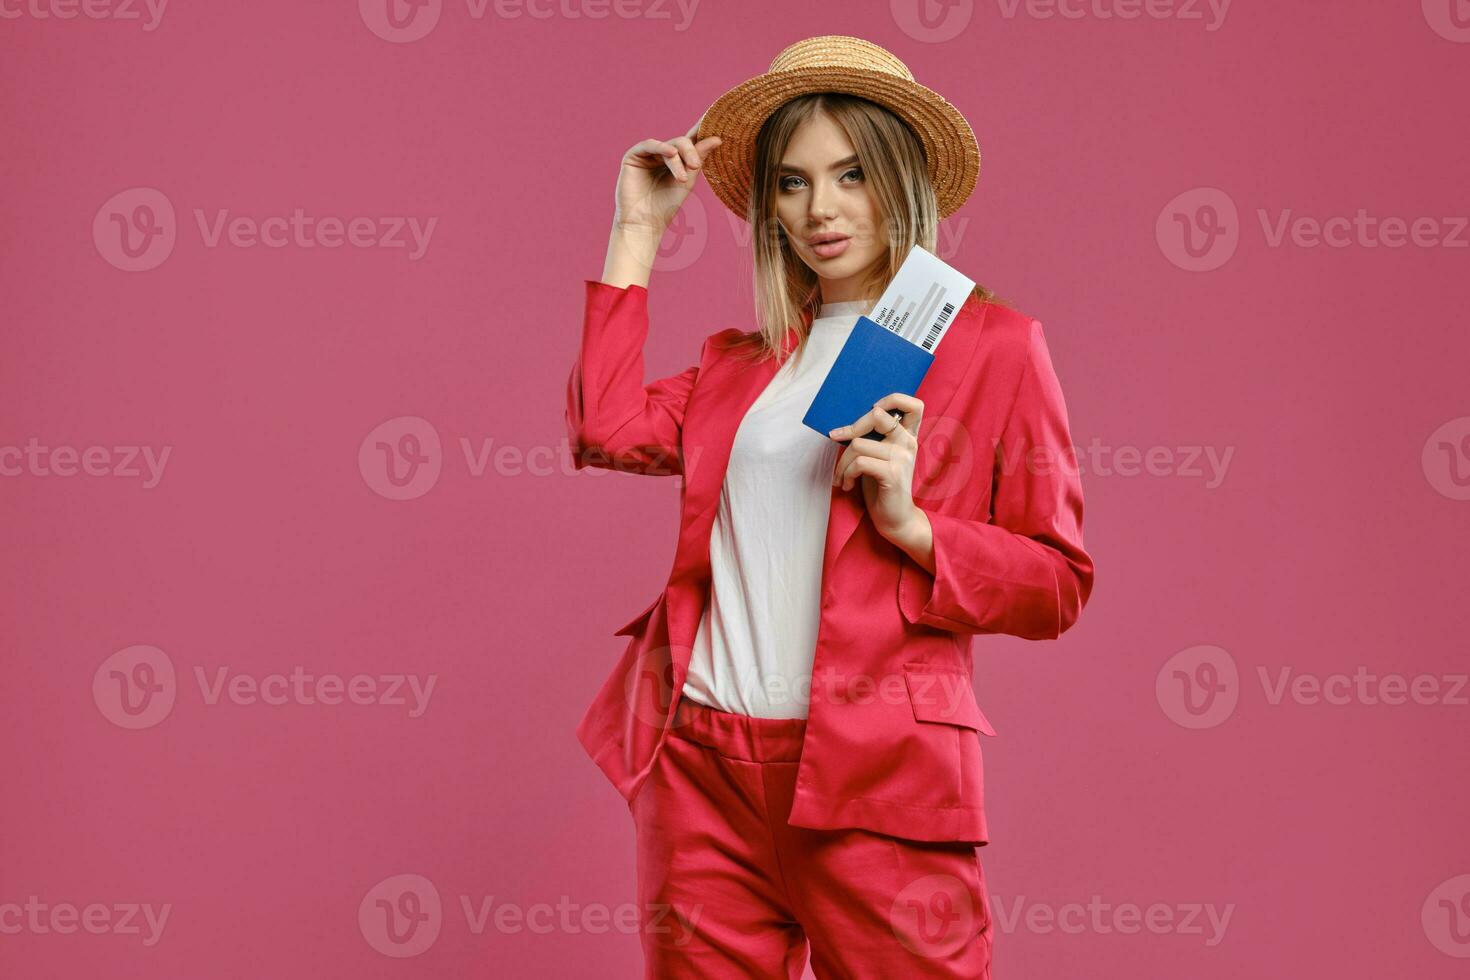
921,300
937,330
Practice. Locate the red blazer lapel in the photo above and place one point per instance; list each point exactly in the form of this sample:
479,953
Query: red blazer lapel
724,400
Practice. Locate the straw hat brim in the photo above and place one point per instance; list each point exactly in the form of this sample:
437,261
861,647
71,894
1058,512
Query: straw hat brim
951,152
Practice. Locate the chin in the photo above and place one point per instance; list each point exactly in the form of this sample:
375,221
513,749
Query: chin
844,267
838,268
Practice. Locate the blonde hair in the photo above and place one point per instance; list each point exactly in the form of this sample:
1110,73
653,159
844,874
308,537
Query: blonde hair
787,293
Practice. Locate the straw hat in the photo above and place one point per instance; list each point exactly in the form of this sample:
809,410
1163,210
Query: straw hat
835,63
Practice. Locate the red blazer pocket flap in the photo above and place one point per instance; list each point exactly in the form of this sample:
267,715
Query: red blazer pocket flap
938,693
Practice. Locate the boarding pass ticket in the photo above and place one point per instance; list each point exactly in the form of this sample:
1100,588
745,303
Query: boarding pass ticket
920,303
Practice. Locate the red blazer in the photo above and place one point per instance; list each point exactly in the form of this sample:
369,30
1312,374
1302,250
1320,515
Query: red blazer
891,739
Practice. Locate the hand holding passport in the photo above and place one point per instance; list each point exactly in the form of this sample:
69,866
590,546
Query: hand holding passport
891,350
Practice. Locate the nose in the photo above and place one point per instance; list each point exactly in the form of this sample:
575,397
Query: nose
820,205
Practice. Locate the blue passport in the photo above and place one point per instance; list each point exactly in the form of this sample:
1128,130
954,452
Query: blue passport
872,363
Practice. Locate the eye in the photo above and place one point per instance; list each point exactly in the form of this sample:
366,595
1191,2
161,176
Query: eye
784,186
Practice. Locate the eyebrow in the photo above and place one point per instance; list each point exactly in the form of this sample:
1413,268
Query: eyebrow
845,161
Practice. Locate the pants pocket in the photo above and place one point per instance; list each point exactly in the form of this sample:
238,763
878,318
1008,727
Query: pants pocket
942,910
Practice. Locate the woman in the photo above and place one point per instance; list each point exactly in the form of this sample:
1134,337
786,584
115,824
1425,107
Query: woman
793,723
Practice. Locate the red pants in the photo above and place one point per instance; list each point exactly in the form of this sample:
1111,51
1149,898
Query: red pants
727,888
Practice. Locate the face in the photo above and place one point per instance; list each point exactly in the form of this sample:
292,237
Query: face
822,193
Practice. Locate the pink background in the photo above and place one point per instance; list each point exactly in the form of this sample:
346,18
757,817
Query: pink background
1334,834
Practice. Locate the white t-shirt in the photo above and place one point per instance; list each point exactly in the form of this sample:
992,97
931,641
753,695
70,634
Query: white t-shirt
757,637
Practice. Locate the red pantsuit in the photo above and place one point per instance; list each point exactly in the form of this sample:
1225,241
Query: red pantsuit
890,754
729,889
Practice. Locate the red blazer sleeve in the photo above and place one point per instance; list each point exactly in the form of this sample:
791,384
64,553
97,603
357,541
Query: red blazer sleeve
613,419
1024,572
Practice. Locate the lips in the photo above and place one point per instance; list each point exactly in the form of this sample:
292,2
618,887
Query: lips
829,245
